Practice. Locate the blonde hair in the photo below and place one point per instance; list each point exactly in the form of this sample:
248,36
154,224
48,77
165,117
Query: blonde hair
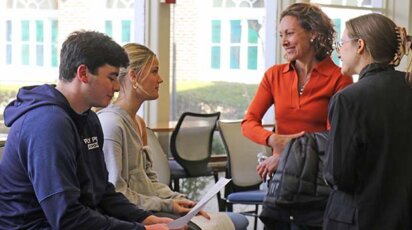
139,57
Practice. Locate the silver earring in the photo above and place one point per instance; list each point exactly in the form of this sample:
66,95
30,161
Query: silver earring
311,40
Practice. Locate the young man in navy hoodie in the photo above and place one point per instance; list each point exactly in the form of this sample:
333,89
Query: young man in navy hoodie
53,174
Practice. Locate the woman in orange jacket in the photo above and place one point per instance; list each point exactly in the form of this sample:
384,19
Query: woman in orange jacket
300,90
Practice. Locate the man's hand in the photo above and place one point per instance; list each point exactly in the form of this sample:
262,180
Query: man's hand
183,206
156,227
161,227
152,219
158,223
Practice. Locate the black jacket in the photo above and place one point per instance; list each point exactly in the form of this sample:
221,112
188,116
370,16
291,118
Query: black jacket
369,154
297,191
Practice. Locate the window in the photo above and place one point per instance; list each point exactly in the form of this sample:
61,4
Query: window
28,47
217,68
215,49
206,68
235,35
120,27
9,46
27,35
241,47
342,10
31,31
253,38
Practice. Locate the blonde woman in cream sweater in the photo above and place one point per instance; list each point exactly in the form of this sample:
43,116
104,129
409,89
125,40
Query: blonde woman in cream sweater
125,147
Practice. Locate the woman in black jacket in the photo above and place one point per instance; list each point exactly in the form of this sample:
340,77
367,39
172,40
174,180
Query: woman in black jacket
369,154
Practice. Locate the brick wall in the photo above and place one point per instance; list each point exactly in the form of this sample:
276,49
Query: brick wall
186,35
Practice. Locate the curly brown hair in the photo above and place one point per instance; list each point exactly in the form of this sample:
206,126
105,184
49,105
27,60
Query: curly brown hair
312,18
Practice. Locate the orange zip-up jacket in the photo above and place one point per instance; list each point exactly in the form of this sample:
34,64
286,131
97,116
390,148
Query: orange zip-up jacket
293,112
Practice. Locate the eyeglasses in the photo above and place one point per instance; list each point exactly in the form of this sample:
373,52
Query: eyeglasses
338,44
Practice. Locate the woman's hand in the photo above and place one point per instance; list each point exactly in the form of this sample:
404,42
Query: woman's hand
267,167
278,141
183,206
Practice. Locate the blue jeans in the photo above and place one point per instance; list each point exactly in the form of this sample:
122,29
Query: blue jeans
239,220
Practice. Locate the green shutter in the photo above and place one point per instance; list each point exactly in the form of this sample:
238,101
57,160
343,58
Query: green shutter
39,31
216,31
25,31
235,31
215,58
109,28
252,33
54,34
235,57
126,31
252,57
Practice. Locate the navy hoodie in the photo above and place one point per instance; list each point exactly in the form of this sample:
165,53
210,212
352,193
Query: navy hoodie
53,174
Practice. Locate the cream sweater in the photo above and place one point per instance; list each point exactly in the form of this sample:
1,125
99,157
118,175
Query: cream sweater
129,164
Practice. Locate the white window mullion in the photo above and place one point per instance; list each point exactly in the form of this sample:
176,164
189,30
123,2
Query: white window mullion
244,44
116,30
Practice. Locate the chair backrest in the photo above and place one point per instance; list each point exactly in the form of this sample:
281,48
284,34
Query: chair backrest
2,146
159,158
242,159
1,151
191,141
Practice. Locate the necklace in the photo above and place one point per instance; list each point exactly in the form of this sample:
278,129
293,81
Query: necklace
301,90
302,86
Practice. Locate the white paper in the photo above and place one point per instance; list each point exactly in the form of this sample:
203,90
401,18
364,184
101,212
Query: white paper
182,221
218,221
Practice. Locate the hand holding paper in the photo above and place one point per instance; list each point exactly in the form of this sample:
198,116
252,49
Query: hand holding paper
182,221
